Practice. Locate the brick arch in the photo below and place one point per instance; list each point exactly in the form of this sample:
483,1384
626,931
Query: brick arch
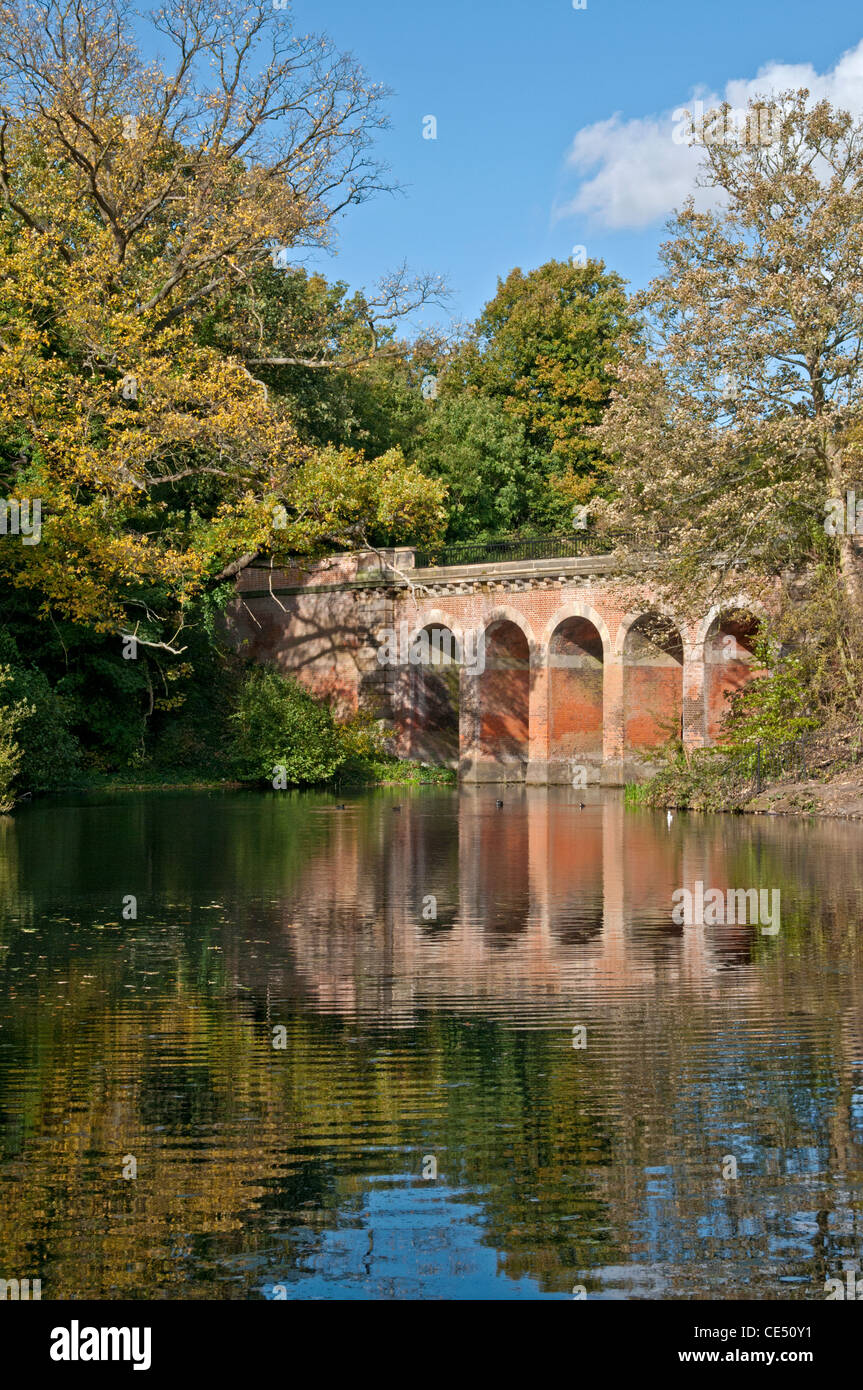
724,674
652,679
754,606
575,610
503,613
435,697
636,614
436,617
576,681
502,696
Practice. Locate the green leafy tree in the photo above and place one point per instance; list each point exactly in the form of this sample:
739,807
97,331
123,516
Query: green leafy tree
480,453
48,751
136,195
774,708
541,355
332,357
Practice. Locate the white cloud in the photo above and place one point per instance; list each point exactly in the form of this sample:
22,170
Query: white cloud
631,173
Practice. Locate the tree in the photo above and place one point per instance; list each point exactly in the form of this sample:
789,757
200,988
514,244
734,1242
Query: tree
480,453
134,196
332,358
739,413
48,750
13,713
541,354
255,137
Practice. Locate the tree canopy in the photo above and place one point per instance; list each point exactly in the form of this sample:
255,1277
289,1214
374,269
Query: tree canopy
136,195
738,414
520,398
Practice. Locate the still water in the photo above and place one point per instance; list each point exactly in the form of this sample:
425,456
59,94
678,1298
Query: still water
425,970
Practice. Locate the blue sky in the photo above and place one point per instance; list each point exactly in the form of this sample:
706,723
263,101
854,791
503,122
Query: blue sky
516,85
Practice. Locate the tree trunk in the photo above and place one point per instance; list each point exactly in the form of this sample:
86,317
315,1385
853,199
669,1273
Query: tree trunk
850,551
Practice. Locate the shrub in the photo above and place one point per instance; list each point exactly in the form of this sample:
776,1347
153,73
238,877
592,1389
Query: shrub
280,725
49,752
363,743
12,716
775,707
193,729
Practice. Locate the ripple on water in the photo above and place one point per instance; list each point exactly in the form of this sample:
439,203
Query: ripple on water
545,1083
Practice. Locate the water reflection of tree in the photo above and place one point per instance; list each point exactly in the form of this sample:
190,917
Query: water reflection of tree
238,1144
159,1045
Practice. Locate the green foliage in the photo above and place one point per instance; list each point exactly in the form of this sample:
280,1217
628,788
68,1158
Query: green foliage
190,726
82,685
637,794
704,780
13,713
385,771
48,752
481,454
374,406
363,742
107,698
542,347
774,708
280,725
197,734
512,431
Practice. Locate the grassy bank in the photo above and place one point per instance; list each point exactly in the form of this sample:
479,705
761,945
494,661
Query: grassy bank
813,775
378,773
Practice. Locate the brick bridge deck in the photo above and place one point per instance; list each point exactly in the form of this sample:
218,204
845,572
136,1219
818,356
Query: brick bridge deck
545,670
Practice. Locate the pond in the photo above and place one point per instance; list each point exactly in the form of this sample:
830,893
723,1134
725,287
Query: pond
253,1046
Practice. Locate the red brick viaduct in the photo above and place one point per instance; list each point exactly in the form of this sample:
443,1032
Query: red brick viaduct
542,670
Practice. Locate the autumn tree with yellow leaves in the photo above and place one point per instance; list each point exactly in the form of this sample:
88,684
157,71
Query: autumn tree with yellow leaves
135,194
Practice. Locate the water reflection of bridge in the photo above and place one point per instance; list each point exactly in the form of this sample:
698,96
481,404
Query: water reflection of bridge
537,904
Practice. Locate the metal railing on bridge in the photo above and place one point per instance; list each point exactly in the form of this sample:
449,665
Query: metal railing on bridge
536,548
